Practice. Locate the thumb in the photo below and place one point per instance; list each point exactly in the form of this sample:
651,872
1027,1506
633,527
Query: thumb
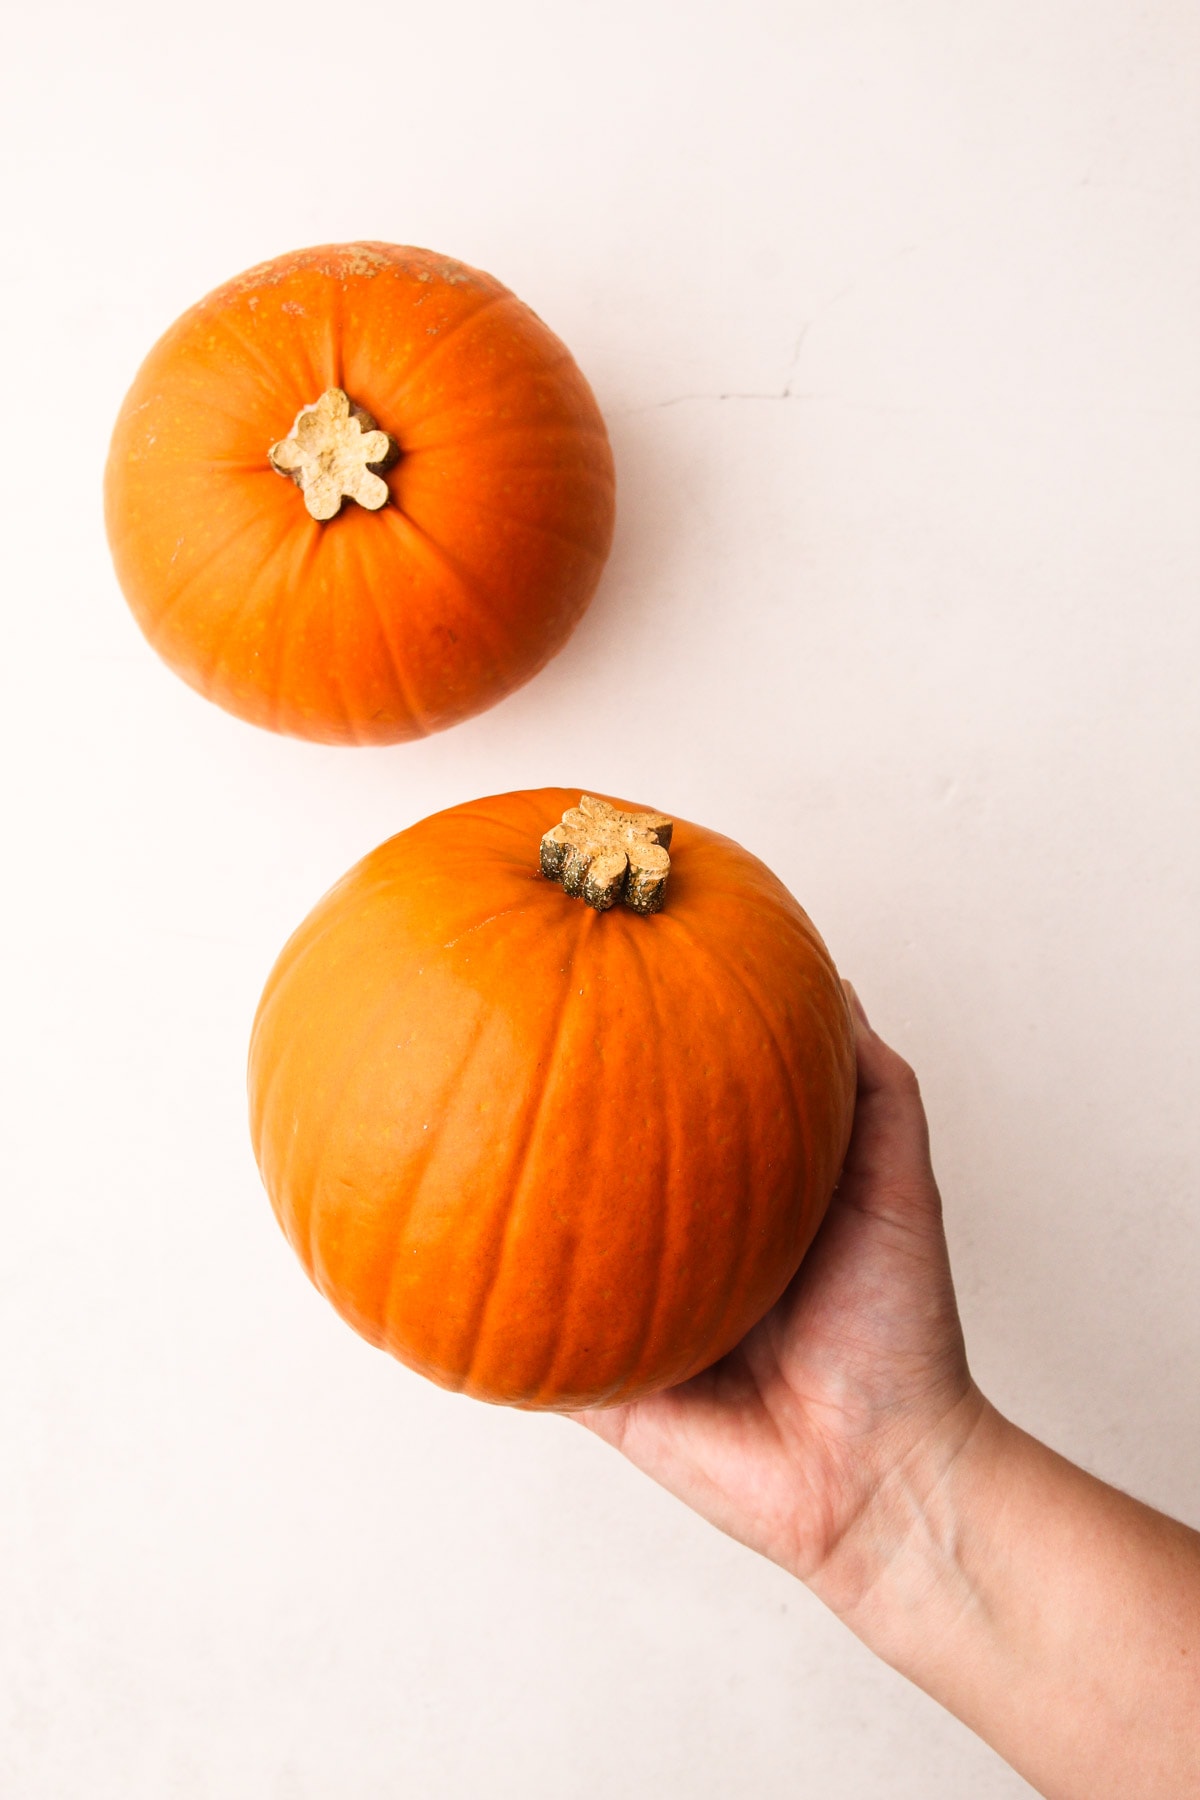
887,1169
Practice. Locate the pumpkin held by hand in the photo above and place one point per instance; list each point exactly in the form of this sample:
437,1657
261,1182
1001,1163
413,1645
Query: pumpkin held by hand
359,493
552,1111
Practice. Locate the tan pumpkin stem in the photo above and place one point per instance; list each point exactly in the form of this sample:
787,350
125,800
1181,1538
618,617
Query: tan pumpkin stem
602,855
335,452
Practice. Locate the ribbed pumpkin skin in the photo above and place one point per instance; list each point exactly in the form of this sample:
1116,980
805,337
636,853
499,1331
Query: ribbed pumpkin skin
549,1156
374,626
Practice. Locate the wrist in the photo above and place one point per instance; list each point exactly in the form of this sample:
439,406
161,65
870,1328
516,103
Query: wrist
1050,1613
902,1568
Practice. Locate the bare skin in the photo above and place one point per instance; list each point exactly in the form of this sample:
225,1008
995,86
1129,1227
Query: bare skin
845,1439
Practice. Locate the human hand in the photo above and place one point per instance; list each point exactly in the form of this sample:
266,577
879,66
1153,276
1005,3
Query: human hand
855,1380
845,1439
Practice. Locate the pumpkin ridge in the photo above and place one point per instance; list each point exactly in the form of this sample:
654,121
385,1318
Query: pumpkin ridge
172,392
318,607
740,977
444,337
705,953
244,605
386,1299
235,465
308,545
670,1159
334,676
334,340
193,574
591,427
290,957
525,834
403,685
260,1102
311,932
276,994
351,1063
432,551
741,1239
268,374
496,385
543,530
519,1159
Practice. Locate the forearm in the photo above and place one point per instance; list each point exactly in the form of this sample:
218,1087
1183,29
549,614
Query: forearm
1056,1617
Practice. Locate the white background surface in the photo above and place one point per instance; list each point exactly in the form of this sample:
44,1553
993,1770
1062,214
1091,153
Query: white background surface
892,310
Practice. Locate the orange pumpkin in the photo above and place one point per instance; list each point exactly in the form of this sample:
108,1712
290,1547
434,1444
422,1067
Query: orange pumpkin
545,1154
359,493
